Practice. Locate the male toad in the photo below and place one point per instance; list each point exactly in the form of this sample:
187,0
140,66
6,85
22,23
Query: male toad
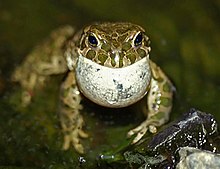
106,62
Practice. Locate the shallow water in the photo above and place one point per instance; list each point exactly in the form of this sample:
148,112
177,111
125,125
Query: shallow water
185,40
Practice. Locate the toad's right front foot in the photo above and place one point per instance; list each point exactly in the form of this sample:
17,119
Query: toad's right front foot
72,129
70,117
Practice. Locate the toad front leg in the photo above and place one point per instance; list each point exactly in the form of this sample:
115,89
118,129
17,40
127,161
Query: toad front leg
159,101
70,117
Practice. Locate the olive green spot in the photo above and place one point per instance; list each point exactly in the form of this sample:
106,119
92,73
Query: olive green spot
158,116
141,52
112,56
102,58
166,87
131,57
90,54
165,101
126,46
106,47
121,57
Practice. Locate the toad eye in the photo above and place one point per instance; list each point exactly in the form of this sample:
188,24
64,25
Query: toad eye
92,40
138,39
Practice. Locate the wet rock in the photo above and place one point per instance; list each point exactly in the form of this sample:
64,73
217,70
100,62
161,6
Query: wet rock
195,129
192,158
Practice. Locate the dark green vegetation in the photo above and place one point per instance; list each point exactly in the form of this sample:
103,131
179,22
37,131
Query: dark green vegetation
185,41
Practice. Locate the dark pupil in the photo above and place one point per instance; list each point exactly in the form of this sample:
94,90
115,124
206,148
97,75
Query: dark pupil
92,40
138,39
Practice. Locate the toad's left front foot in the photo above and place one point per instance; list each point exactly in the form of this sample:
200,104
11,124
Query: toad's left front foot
142,129
159,103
